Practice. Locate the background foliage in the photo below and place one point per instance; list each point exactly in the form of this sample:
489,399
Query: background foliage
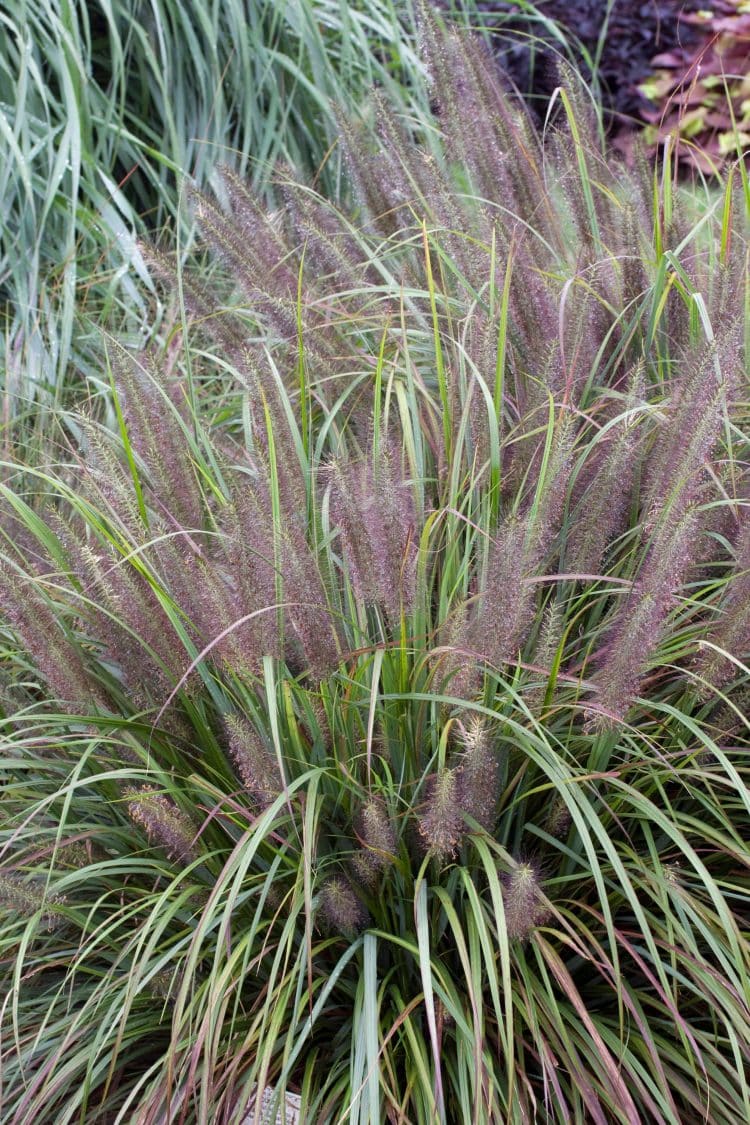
701,92
106,108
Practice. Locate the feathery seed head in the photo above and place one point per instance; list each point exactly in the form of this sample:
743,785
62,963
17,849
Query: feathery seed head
522,900
341,907
365,868
256,765
603,491
77,854
374,828
27,899
558,818
498,622
479,771
156,431
731,631
38,624
373,508
163,822
440,823
639,624
462,674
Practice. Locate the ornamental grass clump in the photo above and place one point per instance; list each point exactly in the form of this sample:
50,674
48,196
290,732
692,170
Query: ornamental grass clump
385,663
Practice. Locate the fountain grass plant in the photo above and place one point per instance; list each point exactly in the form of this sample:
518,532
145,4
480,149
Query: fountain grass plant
375,695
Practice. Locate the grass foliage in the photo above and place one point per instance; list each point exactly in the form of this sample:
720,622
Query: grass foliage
106,108
375,697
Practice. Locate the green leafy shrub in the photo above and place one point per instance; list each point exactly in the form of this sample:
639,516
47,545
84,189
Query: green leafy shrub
375,725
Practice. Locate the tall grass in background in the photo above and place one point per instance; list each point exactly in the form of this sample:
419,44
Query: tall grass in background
106,108
375,695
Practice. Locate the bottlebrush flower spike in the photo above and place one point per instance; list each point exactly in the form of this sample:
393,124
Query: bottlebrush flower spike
248,556
153,419
330,245
558,819
524,906
254,762
492,139
379,173
125,615
440,823
210,597
638,625
341,908
703,384
256,256
105,482
545,514
373,509
222,326
163,822
40,630
270,563
375,830
478,771
20,896
499,621
731,630
604,492
500,618
461,673
313,636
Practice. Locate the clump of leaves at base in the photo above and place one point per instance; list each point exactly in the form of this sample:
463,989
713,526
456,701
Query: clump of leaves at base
375,696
